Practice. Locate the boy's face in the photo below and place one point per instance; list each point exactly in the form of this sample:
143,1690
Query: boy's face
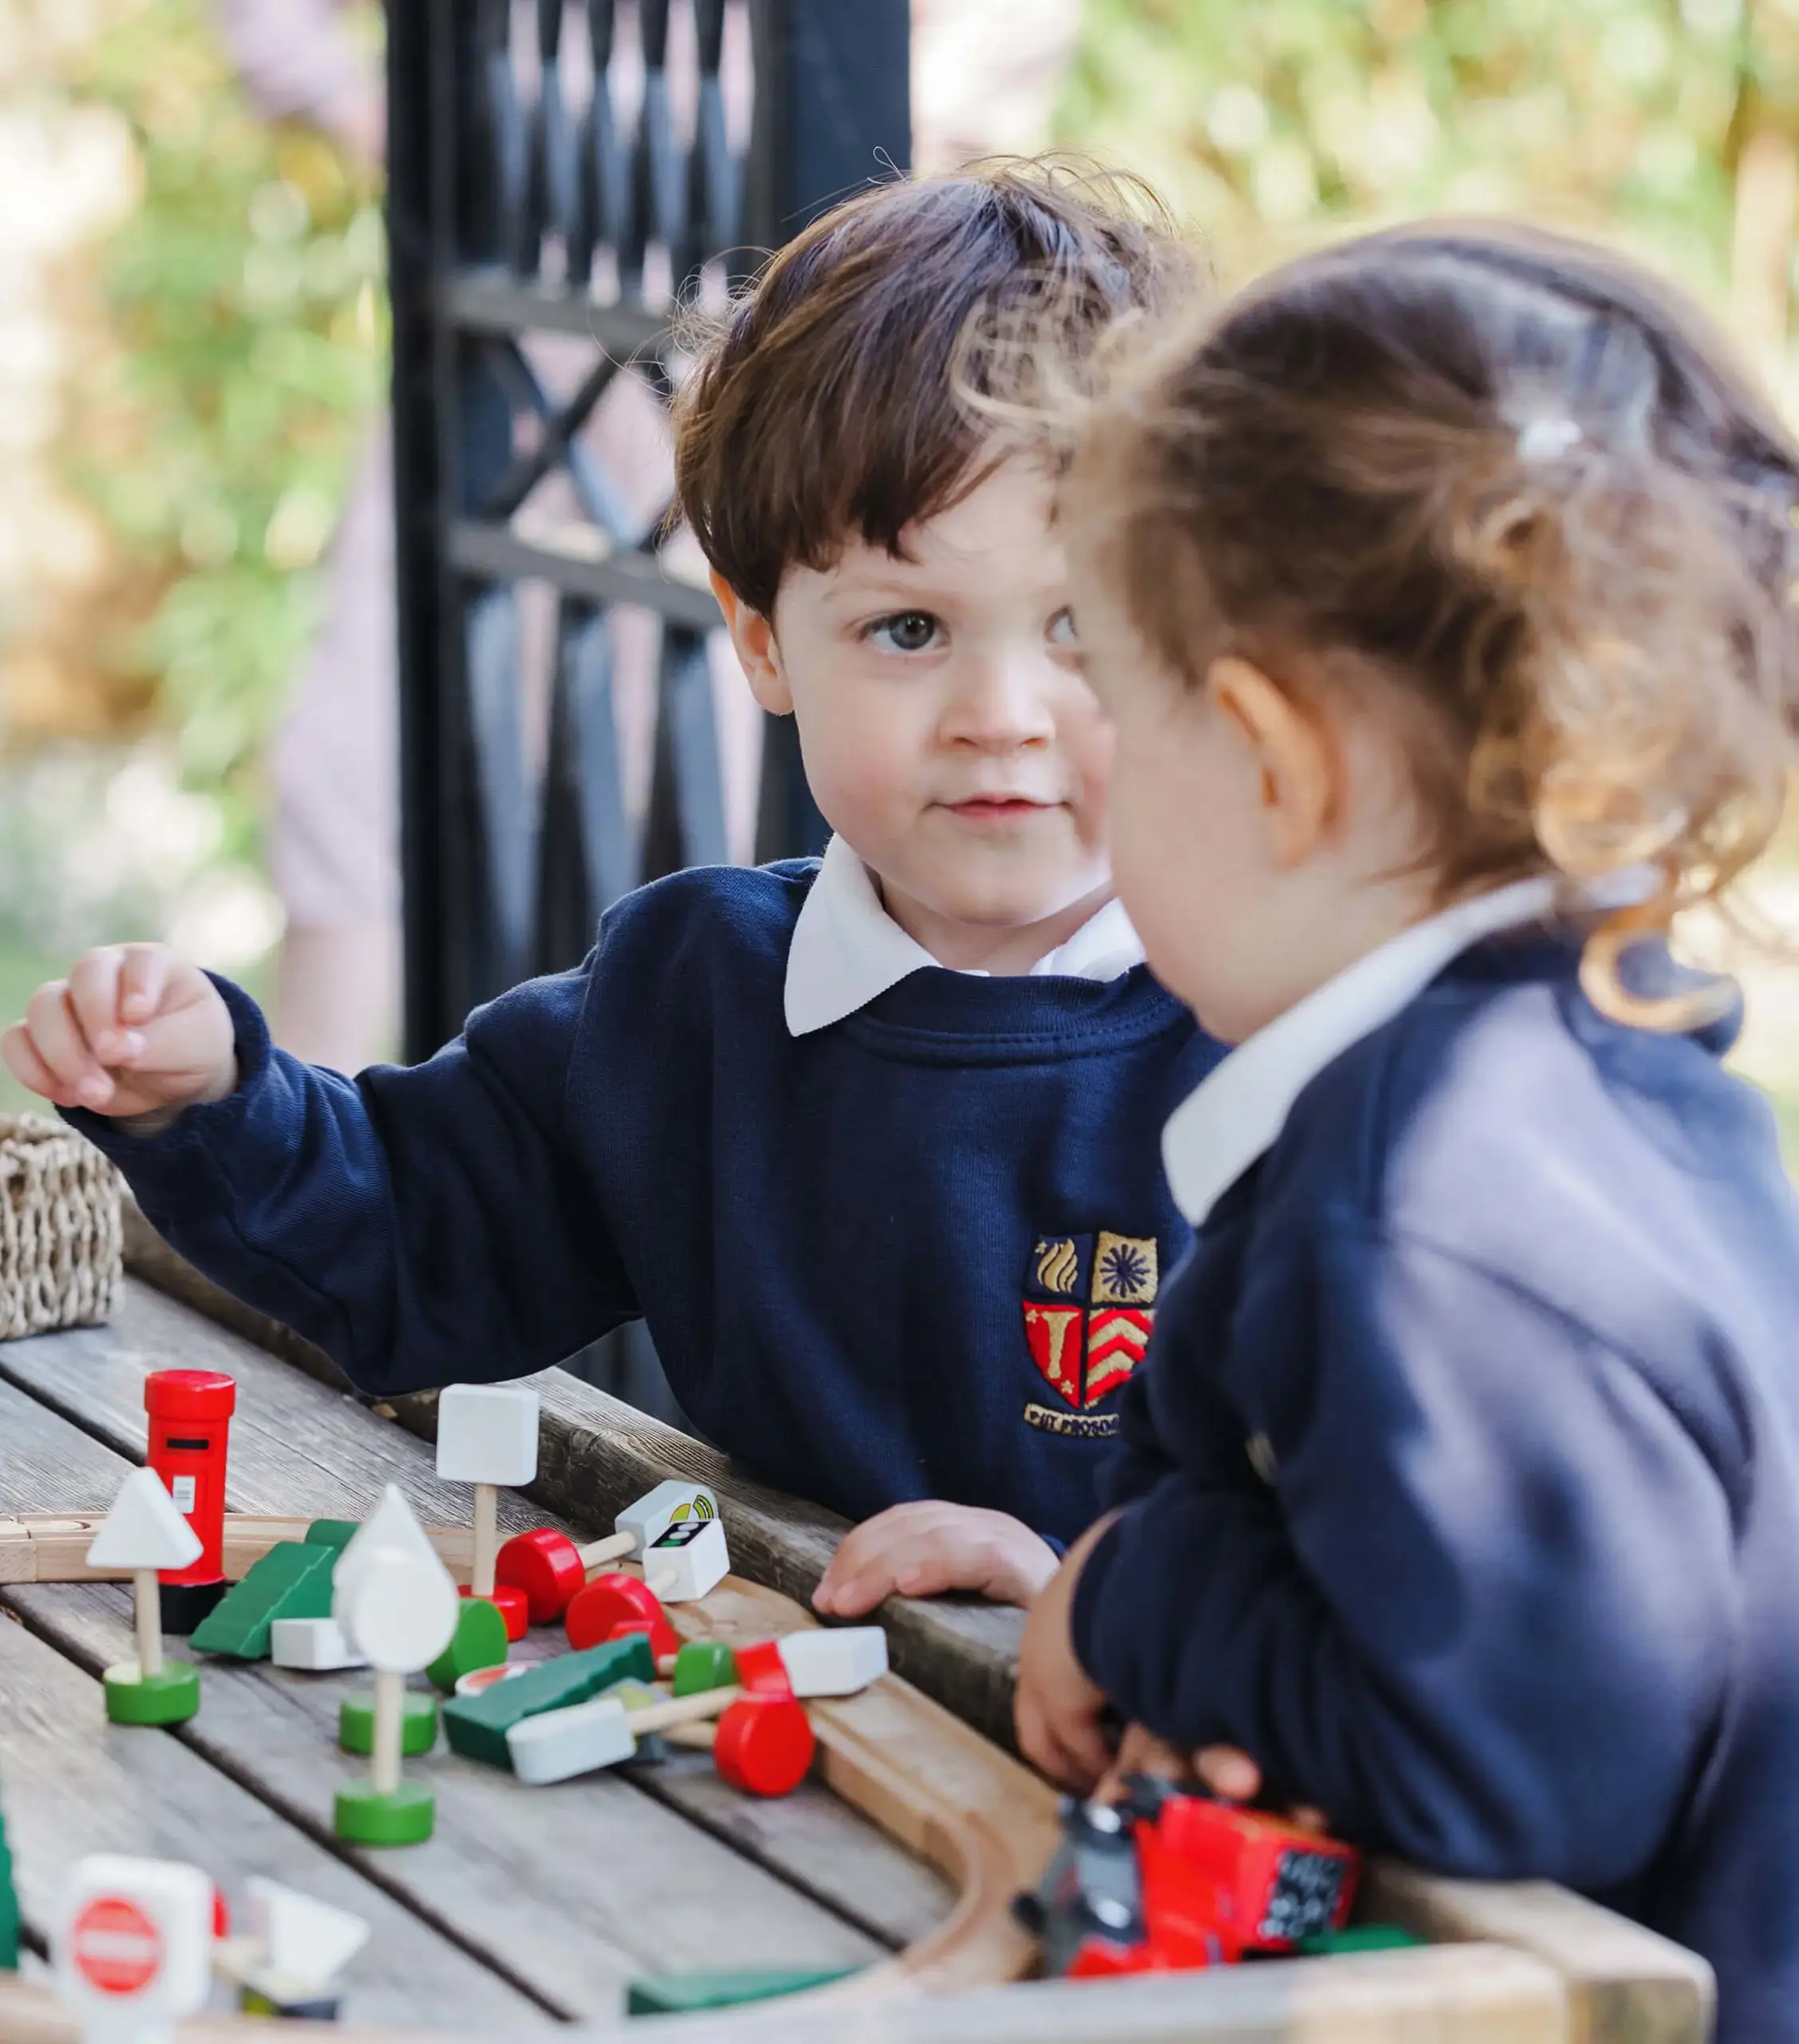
948,734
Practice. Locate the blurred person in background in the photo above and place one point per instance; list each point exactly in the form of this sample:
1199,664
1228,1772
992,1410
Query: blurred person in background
333,836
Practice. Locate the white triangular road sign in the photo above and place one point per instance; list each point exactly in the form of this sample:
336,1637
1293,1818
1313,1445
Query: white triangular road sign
144,1530
303,1939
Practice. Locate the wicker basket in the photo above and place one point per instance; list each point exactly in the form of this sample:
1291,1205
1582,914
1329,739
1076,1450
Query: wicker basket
61,1246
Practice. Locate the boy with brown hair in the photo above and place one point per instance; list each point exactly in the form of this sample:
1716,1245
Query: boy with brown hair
869,1142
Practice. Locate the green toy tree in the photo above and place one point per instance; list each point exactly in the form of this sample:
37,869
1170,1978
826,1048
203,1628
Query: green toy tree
8,1909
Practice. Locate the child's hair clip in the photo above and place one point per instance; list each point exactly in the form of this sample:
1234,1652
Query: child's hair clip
1544,439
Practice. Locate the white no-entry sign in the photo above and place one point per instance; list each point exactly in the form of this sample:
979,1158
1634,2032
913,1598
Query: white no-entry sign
133,1947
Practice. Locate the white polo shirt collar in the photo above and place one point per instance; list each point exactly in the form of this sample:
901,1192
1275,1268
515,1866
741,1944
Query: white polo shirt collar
847,949
1238,1110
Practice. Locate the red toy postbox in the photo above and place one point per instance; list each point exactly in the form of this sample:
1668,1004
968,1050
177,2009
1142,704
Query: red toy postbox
190,1430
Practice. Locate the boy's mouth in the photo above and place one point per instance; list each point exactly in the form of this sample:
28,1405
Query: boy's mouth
998,809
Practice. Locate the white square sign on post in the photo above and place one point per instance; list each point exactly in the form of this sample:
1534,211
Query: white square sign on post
133,1947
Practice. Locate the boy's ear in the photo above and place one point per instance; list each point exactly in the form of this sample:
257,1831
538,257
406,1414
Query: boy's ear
1291,753
753,636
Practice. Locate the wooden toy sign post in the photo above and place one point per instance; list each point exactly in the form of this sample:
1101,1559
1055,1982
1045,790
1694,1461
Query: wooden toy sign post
134,1947
398,1608
487,1436
143,1532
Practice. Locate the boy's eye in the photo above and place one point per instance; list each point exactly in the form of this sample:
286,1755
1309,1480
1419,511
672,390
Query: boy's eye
906,631
1062,628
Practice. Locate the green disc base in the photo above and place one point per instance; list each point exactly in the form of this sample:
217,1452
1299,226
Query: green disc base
355,1723
479,1642
169,1698
676,1994
404,1818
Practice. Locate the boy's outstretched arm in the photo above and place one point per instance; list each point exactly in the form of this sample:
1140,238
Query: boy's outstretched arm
423,1225
1481,1614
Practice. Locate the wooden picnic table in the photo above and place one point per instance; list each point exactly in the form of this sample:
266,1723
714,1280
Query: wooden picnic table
533,1909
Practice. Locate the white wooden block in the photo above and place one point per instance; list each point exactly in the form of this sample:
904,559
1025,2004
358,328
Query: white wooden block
834,1660
557,1744
315,1643
671,1504
487,1433
686,1561
400,1610
144,1530
133,1942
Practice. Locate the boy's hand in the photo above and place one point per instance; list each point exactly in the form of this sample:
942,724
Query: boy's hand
1058,1708
1227,1771
133,1030
918,1549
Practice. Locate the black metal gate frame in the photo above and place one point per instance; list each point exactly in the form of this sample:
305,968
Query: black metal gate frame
502,879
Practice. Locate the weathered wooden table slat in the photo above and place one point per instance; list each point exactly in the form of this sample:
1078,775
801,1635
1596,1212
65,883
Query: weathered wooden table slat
529,1905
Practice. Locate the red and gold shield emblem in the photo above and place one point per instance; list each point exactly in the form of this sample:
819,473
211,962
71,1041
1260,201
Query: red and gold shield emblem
1088,1309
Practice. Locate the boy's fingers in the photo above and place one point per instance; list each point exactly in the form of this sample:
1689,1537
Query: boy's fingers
142,980
57,1037
94,996
31,1070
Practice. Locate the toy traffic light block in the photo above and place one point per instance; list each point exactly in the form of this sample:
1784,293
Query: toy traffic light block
190,1434
477,1725
550,1569
687,1993
614,1604
143,1533
1284,1884
683,1563
487,1436
133,1946
293,1580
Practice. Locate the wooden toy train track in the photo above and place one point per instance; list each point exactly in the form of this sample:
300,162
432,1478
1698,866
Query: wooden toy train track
939,1789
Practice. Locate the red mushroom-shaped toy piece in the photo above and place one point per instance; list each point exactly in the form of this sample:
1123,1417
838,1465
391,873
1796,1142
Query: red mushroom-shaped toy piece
547,1567
763,1745
612,1604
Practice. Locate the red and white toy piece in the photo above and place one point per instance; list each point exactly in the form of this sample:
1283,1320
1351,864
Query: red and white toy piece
686,1560
834,1660
762,1670
611,1604
133,1946
556,1745
551,1569
487,1436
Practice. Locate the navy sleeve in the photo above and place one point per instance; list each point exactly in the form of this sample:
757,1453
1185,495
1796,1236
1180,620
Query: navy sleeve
1483,1614
424,1226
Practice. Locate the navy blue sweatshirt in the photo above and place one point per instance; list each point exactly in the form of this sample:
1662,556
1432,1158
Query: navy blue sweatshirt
836,1239
1461,1487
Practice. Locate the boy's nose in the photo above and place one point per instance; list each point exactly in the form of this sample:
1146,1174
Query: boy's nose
1000,706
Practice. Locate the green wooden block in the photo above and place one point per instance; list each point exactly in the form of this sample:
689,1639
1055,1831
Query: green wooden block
477,1725
704,1664
8,1909
681,1993
331,1533
479,1641
1359,1937
406,1817
293,1580
171,1698
418,1722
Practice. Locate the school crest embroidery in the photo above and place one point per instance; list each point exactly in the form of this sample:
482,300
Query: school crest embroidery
1089,1305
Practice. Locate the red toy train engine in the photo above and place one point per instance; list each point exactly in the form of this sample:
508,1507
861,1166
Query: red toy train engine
1168,1880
